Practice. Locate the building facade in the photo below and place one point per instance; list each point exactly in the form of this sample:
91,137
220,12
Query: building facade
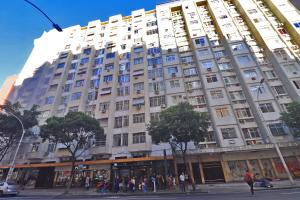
238,60
7,88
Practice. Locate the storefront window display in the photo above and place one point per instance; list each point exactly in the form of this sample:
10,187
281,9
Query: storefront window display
255,168
237,169
268,171
291,162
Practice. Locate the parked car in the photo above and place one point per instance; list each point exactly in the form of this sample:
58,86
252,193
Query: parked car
8,188
264,182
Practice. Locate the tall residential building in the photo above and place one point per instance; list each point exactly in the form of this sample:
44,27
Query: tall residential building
238,60
7,88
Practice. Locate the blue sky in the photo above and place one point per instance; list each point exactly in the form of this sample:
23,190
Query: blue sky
20,23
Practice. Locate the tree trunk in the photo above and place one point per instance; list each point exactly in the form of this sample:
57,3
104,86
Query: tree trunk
188,170
69,184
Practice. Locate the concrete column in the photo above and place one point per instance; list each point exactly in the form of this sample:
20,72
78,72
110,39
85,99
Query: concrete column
261,168
201,172
226,171
191,171
274,168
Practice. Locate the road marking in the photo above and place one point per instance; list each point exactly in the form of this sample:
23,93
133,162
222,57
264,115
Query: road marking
291,192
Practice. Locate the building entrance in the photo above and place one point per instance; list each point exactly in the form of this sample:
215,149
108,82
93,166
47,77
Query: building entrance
213,172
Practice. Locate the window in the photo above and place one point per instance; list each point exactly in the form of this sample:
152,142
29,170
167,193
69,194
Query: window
139,60
109,67
190,71
35,147
257,88
95,83
172,70
243,112
266,107
187,59
124,66
170,58
244,60
138,49
96,72
122,121
138,138
87,51
156,86
216,94
228,133
73,66
124,78
122,105
203,52
252,11
251,133
154,116
174,84
250,73
51,147
151,32
138,101
92,95
117,138
49,100
68,87
104,106
197,100
138,86
110,55
107,78
155,73
139,118
154,50
279,90
291,68
297,24
70,76
84,61
224,66
270,74
219,54
79,83
222,112
277,129
223,17
238,47
237,95
76,96
157,101
154,61
200,41
123,91
208,65
98,61
192,85
211,79
60,65
297,84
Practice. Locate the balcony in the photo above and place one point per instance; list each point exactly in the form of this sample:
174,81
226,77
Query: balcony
38,155
98,150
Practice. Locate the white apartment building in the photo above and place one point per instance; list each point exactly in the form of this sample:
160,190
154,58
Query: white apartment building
238,60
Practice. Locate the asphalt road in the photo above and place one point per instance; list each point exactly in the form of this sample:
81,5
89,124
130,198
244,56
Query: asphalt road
285,194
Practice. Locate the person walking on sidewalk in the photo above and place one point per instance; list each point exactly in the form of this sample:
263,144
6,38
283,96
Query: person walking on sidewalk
249,179
182,182
87,183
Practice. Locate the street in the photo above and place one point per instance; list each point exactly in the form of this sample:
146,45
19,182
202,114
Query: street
285,194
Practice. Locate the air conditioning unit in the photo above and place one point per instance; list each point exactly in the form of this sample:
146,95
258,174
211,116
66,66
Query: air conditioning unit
253,78
107,70
136,77
208,69
173,75
156,92
138,106
103,110
120,72
163,106
154,66
295,73
138,91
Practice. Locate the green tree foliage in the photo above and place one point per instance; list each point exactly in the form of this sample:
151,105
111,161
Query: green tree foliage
10,127
292,118
179,125
74,131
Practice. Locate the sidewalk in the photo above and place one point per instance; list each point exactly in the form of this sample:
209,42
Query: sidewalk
207,188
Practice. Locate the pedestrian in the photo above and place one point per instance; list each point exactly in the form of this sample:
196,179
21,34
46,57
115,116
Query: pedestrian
116,185
145,184
126,180
248,178
182,182
87,183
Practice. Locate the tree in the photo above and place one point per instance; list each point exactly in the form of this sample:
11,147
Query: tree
74,131
292,118
10,127
179,125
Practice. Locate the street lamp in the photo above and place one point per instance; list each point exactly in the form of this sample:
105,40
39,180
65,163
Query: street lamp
271,138
56,26
12,165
